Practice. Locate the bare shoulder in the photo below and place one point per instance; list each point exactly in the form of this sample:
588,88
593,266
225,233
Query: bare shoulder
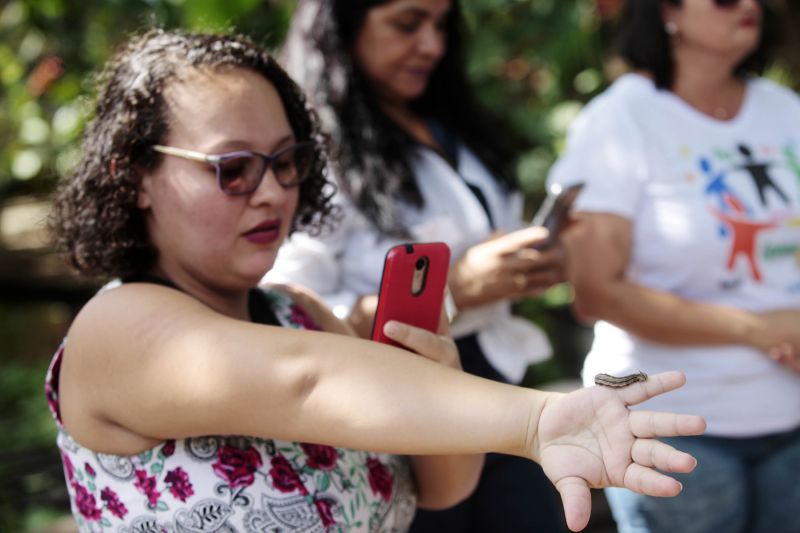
118,313
314,306
111,342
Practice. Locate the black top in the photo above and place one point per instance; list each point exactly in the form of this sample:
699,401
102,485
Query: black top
257,305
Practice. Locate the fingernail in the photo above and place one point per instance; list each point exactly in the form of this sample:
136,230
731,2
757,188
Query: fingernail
392,328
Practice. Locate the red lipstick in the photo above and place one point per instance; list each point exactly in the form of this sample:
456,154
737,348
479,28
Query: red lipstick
266,232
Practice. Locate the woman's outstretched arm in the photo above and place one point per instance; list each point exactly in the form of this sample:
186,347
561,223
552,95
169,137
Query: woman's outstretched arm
145,363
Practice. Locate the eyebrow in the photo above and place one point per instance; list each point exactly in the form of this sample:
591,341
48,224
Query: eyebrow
238,144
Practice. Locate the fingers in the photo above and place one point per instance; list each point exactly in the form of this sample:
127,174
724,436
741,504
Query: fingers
785,354
520,239
652,424
645,480
429,345
655,385
530,271
577,501
655,454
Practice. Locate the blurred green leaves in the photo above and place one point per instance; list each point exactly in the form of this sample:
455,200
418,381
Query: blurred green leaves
535,62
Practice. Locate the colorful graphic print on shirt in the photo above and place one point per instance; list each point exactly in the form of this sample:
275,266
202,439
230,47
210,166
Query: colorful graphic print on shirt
750,191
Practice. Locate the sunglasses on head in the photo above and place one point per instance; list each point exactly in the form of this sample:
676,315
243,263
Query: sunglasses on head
241,172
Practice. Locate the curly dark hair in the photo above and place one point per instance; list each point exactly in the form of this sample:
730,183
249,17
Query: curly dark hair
371,151
95,218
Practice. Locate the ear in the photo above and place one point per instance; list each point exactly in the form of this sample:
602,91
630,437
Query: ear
669,14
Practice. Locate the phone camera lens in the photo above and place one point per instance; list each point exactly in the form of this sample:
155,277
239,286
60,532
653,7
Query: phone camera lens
421,262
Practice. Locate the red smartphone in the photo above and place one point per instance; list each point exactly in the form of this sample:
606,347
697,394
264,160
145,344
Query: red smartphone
554,211
412,287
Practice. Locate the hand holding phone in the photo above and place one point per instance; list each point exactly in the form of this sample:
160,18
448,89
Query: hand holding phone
553,214
412,287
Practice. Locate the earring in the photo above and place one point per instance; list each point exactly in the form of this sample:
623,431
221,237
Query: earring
671,28
673,33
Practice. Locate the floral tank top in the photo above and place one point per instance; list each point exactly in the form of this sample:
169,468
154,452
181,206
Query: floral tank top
234,483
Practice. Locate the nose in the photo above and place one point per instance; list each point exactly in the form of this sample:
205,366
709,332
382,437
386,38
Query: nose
431,42
269,191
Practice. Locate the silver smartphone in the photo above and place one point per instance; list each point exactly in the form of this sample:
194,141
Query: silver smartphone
553,214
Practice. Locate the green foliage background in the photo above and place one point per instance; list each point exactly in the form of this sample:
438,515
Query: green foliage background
535,62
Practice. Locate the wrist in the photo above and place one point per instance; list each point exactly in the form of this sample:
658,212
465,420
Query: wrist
756,333
531,443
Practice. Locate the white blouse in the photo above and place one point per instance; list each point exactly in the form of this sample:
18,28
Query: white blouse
346,263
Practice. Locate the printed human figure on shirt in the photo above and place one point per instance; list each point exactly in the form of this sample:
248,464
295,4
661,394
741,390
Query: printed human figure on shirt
744,232
718,188
759,171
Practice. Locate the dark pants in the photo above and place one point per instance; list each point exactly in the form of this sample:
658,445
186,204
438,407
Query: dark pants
513,494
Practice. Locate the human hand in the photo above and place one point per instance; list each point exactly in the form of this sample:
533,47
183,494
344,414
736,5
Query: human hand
505,266
781,339
589,439
437,347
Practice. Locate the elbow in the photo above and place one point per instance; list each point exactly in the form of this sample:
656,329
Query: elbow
591,303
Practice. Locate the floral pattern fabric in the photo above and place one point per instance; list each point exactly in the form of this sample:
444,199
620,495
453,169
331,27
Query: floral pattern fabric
234,483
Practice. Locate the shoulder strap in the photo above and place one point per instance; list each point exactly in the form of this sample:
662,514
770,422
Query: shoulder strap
261,309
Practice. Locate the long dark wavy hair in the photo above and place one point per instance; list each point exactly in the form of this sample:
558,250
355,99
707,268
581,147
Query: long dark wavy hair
371,152
644,42
95,219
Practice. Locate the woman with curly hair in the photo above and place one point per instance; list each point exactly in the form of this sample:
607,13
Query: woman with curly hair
187,399
418,159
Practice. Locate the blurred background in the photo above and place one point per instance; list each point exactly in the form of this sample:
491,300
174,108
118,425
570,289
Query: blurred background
535,63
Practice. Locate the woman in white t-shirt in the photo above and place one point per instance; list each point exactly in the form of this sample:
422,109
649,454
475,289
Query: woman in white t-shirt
687,252
417,161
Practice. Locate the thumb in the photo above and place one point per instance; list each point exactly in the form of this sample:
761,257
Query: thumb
523,238
577,501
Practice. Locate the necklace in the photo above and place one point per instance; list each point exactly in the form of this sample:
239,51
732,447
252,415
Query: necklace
721,113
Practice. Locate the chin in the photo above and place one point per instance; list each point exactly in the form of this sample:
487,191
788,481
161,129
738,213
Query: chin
257,270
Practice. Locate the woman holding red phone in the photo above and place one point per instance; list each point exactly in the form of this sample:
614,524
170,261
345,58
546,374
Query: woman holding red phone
417,159
692,185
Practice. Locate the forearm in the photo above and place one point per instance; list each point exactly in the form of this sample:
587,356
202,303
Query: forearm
392,402
240,378
663,317
362,315
443,481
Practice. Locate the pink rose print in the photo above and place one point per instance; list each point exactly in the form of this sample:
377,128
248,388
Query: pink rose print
86,503
147,485
284,478
179,485
112,502
68,469
89,469
320,457
380,478
302,319
237,466
169,448
325,509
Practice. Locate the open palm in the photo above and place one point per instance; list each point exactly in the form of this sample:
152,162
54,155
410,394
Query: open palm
590,439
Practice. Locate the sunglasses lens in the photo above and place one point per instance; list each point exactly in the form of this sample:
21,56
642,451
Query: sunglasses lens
292,165
240,174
